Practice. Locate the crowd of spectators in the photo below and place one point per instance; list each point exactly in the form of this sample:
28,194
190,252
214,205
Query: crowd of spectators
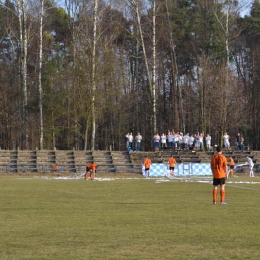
179,141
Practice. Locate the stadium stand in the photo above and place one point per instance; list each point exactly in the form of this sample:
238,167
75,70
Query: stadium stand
60,161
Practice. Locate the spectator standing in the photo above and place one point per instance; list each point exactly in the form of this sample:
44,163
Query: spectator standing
242,144
251,166
176,140
156,141
208,142
181,144
238,141
130,140
220,170
147,165
127,140
186,139
170,139
163,141
226,141
138,140
196,142
200,139
191,142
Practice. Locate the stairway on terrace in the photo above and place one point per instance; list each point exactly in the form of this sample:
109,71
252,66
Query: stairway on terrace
82,158
205,157
26,161
255,155
239,157
45,160
190,157
181,156
104,161
65,161
8,161
166,154
122,162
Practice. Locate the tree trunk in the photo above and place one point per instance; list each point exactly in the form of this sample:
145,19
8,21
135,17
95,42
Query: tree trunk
22,16
40,74
150,78
93,77
179,121
154,72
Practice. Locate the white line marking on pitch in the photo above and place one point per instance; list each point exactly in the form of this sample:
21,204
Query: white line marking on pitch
241,187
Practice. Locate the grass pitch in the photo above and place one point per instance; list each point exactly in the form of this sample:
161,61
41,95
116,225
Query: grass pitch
127,219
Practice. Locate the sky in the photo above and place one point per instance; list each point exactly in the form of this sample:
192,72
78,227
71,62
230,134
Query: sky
245,5
247,8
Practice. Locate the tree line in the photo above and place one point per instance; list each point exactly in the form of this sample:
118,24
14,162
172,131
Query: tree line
83,74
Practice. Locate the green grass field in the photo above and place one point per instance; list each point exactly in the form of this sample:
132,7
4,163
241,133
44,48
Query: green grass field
127,219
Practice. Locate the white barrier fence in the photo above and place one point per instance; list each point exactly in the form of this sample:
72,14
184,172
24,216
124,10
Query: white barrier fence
162,169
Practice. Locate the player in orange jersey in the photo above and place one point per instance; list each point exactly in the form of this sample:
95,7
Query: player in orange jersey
147,165
172,163
94,170
91,169
219,168
88,170
231,166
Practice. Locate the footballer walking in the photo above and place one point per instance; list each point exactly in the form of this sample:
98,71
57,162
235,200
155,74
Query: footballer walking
147,165
172,163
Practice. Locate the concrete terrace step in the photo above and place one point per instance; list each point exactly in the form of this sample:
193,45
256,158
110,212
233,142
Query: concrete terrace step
108,161
191,160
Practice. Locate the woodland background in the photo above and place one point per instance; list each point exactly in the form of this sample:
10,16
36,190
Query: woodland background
82,73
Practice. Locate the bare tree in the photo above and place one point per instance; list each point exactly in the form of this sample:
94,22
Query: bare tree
153,86
226,20
175,71
22,16
93,74
40,72
150,72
